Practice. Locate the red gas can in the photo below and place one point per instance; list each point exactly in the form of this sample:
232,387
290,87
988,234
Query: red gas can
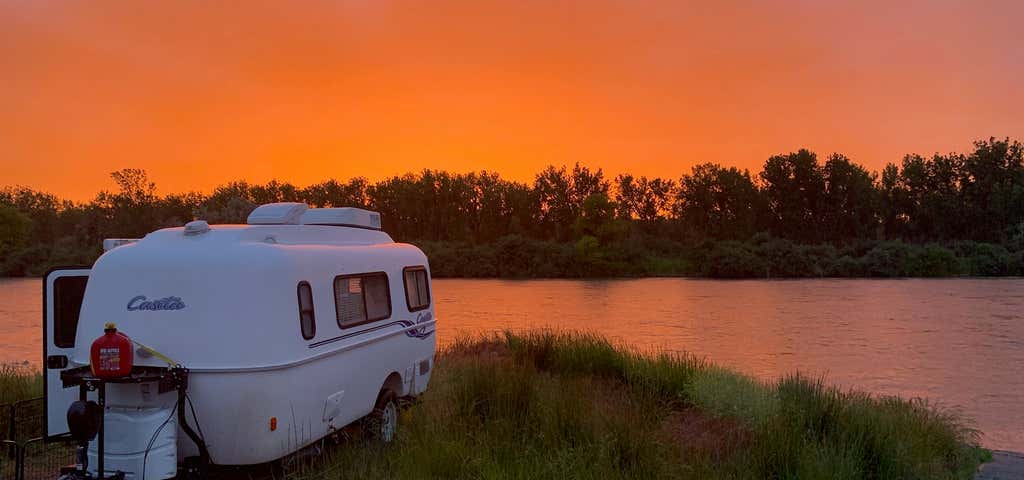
112,354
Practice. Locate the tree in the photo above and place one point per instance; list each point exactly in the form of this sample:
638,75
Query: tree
941,203
521,208
553,189
922,199
135,186
597,218
561,195
129,211
43,209
992,184
628,195
14,230
849,202
644,199
332,193
229,203
586,183
794,187
718,202
401,205
274,191
499,207
891,200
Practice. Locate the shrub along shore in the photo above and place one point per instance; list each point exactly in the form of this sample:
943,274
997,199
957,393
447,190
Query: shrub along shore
763,256
564,405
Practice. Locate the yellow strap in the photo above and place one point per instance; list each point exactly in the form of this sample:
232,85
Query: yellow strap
155,353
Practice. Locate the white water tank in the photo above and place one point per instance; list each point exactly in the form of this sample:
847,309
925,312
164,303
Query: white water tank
127,434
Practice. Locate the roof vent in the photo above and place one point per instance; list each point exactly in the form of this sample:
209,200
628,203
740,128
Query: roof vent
342,217
112,243
196,227
285,213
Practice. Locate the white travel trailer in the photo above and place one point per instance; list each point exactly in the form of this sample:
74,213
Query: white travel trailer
294,325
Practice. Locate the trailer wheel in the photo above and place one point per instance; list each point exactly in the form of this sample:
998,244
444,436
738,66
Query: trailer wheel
383,422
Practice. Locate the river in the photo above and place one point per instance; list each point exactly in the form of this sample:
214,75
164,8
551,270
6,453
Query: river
957,342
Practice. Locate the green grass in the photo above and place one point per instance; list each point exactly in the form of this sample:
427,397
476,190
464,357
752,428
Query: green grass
19,383
563,405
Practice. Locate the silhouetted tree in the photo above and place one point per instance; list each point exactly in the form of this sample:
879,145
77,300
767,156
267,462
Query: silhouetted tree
332,193
643,199
992,185
794,188
718,202
849,204
597,217
14,229
129,211
561,195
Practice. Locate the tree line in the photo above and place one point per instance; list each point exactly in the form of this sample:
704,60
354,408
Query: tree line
947,214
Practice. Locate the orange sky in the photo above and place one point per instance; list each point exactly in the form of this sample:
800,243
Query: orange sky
200,95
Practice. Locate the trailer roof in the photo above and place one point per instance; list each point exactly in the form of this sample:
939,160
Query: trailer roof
274,234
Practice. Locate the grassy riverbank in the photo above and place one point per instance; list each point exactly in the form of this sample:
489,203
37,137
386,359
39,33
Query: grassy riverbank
545,405
550,405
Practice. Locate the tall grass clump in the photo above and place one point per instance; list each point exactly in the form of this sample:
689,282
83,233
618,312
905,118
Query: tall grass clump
723,393
821,432
489,417
19,383
664,375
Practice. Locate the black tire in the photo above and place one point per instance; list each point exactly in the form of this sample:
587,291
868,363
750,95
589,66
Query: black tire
382,423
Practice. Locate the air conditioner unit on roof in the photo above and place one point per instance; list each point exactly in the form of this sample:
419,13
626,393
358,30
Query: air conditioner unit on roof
284,213
345,217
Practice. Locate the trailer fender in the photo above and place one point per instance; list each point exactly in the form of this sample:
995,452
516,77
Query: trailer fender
395,384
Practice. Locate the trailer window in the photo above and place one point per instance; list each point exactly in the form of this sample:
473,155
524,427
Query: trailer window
362,298
417,290
307,319
68,293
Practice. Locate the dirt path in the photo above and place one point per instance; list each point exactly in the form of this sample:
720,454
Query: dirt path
1004,466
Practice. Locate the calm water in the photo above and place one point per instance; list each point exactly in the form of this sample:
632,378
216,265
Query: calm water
958,342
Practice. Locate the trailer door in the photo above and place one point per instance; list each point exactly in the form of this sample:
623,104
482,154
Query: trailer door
63,291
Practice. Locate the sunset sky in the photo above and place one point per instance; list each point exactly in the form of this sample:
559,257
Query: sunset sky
199,95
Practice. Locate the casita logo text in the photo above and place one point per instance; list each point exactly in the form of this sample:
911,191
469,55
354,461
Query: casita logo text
166,303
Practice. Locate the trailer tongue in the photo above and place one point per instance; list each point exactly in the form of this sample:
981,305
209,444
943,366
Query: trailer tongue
87,421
